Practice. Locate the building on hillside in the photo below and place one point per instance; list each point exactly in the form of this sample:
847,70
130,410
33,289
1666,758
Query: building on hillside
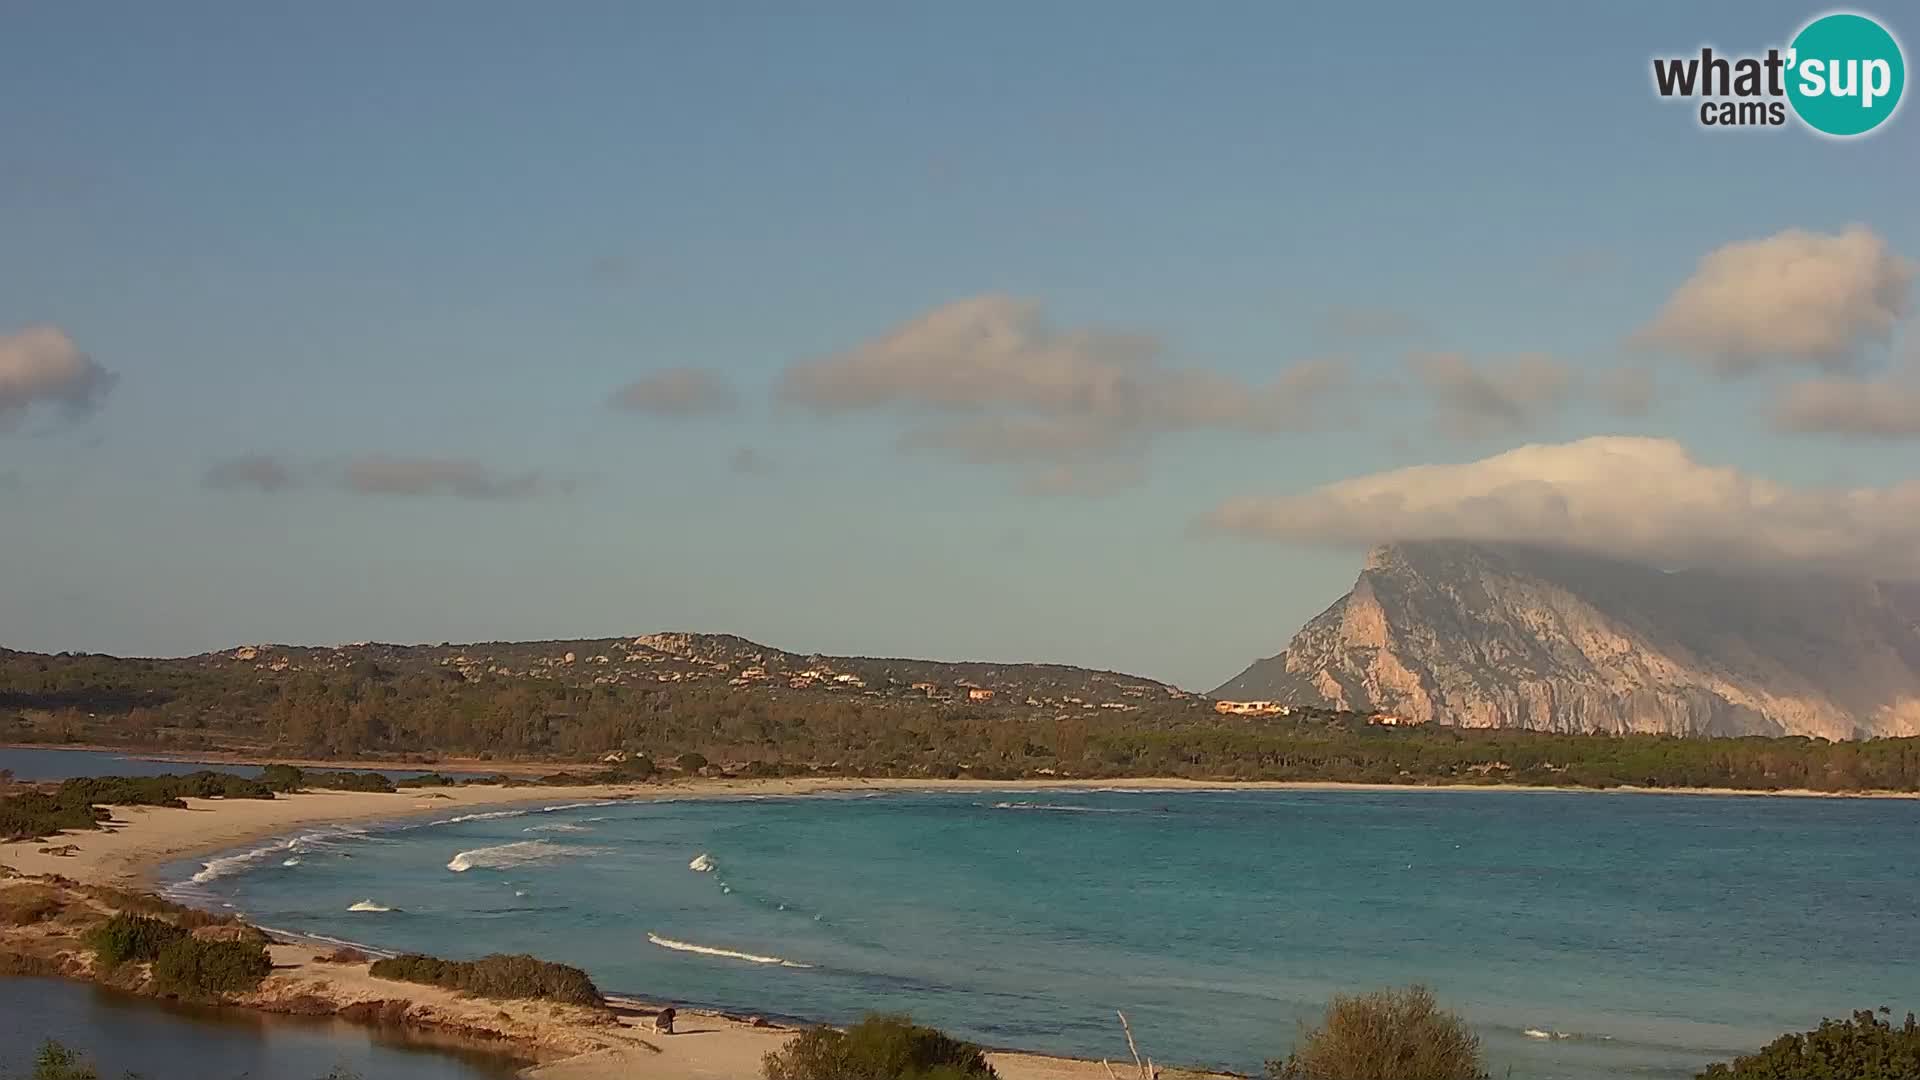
1251,708
1384,719
979,693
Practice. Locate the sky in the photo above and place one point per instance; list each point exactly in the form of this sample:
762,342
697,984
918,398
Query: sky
1108,334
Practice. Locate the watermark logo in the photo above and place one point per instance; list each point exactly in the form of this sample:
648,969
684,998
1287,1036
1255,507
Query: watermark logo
1841,75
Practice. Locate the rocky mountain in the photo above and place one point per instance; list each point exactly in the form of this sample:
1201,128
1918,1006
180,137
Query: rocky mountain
1504,636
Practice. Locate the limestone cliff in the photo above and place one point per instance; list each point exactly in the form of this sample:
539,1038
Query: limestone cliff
1498,636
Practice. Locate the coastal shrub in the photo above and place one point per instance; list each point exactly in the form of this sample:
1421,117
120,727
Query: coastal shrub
131,937
1866,1047
691,762
1403,1034
192,967
56,1061
426,780
282,777
130,901
351,781
881,1047
495,976
35,815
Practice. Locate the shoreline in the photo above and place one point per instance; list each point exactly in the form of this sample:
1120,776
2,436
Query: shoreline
571,1043
528,773
565,1042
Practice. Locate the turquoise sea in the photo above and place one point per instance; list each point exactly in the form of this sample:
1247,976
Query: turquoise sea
1585,935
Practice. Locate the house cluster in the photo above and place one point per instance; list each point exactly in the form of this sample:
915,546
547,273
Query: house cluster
1386,719
1251,708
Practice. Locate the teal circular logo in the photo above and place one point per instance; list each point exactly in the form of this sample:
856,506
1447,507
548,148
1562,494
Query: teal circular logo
1845,74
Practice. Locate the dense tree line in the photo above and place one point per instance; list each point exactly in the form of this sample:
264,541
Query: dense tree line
363,711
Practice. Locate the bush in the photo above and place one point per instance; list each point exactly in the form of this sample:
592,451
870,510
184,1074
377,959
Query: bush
1863,1048
282,777
877,1048
1402,1034
191,967
56,1062
495,976
131,937
75,803
691,762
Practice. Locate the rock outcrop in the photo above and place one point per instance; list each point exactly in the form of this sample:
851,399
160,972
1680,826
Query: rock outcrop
1503,636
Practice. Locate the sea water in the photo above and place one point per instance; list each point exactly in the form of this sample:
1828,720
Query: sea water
1583,935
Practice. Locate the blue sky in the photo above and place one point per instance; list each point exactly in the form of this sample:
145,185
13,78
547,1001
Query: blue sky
449,232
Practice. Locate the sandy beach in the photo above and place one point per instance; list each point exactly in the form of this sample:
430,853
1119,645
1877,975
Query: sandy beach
570,1043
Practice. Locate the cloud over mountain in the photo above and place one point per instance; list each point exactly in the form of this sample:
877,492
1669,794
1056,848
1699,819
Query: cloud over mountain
1640,499
1794,298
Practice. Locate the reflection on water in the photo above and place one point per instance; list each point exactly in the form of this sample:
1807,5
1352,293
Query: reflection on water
164,1041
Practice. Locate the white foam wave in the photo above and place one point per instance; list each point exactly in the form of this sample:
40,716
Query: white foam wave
519,853
1062,808
295,861
1544,1033
489,815
226,865
724,954
558,826
368,905
702,864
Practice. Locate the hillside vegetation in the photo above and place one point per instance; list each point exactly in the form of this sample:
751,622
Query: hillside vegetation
404,706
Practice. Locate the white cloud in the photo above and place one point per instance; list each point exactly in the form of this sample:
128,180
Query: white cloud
997,353
1866,408
1645,500
1794,298
676,392
1008,386
41,364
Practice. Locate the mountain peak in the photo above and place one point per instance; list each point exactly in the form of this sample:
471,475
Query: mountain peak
1497,635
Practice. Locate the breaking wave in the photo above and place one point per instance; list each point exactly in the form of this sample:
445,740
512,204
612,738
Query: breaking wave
558,826
226,865
367,905
1543,1033
724,954
1062,808
520,853
702,864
